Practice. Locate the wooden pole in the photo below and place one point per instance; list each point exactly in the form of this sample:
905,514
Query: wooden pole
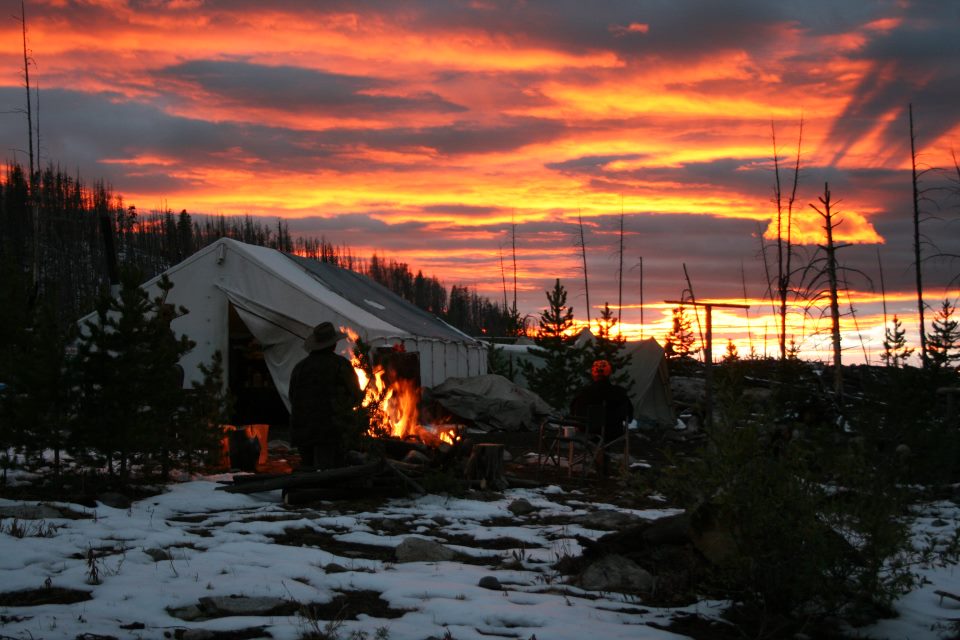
708,351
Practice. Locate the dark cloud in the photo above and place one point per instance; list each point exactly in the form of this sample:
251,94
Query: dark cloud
918,63
462,209
457,138
589,164
300,90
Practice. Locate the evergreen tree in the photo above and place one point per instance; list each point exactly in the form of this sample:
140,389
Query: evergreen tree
201,420
38,407
560,375
129,377
609,347
499,362
895,350
943,344
731,354
679,341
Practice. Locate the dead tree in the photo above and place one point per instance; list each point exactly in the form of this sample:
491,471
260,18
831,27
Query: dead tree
513,243
582,245
32,196
620,275
830,270
915,178
784,235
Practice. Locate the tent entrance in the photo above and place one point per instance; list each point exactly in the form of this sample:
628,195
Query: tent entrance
256,399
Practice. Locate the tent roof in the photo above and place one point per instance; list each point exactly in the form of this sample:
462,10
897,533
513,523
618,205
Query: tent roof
379,301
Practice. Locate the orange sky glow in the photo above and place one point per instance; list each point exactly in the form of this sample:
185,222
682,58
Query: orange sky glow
424,130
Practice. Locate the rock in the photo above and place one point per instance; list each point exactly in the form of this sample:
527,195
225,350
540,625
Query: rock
608,520
617,573
188,613
30,511
521,507
158,555
490,582
114,500
415,549
223,606
333,567
687,391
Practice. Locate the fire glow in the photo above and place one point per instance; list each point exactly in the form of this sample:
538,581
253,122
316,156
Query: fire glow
395,405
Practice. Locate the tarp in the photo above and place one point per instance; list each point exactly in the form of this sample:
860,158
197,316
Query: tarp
281,297
490,402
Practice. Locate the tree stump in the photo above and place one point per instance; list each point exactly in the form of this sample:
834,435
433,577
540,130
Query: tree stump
485,466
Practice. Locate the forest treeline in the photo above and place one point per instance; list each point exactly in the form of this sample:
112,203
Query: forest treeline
53,249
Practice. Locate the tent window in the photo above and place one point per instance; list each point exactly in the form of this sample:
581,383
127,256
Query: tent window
256,400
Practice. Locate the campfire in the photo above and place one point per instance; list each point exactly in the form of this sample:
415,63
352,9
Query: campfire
392,393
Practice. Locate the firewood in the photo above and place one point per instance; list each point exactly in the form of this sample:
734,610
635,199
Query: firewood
405,478
310,479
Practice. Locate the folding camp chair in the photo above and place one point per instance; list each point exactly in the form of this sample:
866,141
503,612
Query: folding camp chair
570,441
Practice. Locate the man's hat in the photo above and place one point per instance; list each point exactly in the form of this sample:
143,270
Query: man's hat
601,369
324,335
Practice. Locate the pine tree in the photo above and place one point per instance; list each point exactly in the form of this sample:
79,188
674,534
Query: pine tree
560,375
38,409
943,344
679,341
499,362
13,333
129,377
731,354
207,409
609,347
895,350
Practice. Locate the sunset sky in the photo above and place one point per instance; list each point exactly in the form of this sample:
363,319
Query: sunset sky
421,129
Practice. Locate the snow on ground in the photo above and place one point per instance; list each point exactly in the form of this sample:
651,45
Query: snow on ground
220,544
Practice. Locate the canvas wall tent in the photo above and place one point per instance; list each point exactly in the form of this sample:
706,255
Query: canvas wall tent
235,291
650,379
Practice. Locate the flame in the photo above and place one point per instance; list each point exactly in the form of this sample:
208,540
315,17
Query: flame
395,404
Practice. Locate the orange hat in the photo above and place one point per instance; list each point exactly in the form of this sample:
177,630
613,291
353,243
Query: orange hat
601,369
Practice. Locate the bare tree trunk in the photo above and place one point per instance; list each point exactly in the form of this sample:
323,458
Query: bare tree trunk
26,81
784,246
916,244
829,225
503,277
32,196
641,297
513,241
883,289
743,282
693,299
620,276
583,255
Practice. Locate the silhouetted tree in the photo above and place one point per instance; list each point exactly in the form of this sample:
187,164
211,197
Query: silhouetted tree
895,350
943,343
561,374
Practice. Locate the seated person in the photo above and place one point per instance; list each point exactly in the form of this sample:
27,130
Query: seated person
603,406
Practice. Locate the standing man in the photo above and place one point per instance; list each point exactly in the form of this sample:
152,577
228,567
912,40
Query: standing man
324,394
603,405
